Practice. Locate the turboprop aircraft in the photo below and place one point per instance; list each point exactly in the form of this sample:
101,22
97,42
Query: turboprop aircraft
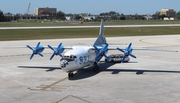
78,57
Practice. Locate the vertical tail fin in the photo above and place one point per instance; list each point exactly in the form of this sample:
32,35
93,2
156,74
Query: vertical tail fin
101,39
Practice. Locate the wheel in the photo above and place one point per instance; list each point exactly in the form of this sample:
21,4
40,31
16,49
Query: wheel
70,75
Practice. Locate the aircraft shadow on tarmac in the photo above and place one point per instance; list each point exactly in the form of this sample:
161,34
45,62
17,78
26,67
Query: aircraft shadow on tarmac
88,72
41,67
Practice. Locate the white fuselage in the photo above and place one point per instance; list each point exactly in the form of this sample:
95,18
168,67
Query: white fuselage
77,58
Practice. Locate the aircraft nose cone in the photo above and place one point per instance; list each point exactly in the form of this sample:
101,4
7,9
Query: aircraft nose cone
63,63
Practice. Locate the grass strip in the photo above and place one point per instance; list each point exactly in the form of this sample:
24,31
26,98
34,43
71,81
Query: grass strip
32,34
115,22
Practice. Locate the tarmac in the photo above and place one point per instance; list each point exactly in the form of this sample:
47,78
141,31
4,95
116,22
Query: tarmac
153,77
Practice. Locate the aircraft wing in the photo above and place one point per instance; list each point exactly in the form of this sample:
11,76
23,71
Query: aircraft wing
14,47
38,49
154,49
143,48
138,48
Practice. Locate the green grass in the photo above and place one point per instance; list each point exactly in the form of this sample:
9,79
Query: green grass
117,22
29,34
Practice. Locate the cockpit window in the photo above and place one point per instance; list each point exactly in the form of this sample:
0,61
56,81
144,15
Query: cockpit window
69,58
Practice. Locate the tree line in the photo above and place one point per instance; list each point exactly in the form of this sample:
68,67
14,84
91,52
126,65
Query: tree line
4,18
112,15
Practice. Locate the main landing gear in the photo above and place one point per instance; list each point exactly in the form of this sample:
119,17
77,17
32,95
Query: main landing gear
70,75
96,67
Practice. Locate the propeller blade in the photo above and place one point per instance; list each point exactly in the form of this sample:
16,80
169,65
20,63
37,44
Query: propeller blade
129,46
96,48
123,59
120,49
31,56
60,54
105,48
29,47
51,47
52,57
59,45
106,56
40,54
38,45
132,55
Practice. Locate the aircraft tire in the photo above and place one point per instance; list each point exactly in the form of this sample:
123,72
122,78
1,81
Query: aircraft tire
70,75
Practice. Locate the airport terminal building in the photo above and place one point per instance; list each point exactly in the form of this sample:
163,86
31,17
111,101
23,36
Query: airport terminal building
45,11
168,12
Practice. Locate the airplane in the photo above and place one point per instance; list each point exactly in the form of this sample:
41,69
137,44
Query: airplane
78,57
148,17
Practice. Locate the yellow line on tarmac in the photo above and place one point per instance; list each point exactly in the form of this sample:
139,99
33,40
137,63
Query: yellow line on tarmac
48,86
162,45
143,41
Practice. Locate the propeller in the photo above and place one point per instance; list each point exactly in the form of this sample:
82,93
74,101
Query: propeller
101,52
57,51
37,50
127,52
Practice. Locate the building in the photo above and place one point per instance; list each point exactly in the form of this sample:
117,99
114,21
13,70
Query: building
45,11
168,12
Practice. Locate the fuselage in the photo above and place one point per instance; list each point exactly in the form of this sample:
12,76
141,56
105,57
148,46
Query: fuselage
77,58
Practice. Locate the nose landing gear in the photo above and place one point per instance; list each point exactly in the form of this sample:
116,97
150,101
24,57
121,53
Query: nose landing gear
70,75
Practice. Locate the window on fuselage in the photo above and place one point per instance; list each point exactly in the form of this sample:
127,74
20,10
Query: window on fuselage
69,58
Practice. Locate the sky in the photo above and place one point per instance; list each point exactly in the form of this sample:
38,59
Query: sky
91,6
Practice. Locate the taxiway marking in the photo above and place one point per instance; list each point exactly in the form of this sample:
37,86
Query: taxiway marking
51,87
48,86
